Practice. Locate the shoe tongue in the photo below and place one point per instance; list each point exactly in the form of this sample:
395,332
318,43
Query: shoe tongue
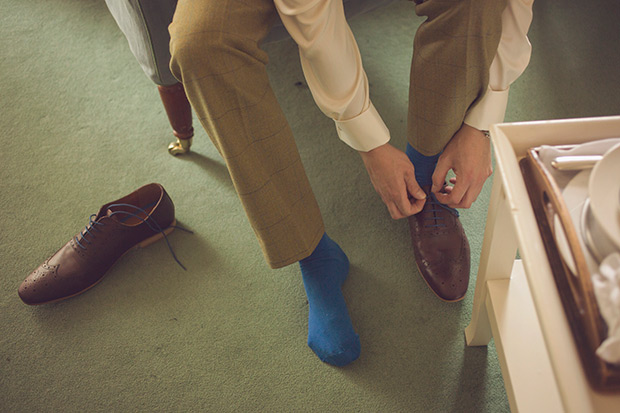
123,216
116,217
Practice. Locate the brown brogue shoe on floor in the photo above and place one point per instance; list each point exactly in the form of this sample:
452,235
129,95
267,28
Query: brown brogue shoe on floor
441,249
136,220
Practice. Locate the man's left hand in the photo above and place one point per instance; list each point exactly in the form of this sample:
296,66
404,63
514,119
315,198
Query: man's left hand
468,154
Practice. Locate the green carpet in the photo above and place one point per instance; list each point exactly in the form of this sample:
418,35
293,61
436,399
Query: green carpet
81,125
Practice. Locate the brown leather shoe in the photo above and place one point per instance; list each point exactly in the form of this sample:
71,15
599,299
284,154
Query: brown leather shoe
441,249
136,220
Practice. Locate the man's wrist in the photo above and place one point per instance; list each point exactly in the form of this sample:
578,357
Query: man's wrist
474,130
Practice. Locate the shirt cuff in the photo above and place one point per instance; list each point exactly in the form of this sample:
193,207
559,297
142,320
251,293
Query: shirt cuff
364,132
490,109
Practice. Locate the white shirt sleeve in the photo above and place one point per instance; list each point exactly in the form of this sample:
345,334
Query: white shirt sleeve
332,65
513,56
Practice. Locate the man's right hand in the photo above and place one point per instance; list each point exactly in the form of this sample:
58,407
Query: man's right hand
393,176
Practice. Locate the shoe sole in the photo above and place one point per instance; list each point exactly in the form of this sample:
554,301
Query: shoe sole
141,244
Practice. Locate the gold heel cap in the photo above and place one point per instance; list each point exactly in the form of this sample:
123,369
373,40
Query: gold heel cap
180,147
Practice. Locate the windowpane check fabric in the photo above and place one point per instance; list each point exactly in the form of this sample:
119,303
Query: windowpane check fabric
216,54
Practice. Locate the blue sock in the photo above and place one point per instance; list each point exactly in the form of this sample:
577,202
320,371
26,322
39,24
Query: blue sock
330,332
424,165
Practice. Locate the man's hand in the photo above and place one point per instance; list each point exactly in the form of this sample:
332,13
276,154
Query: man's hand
392,174
468,154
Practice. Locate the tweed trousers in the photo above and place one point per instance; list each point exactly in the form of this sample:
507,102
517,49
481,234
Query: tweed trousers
216,54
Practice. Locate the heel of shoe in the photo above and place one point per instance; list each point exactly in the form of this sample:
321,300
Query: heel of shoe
157,236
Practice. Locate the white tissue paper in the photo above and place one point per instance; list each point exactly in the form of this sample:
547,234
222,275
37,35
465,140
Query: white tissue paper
607,290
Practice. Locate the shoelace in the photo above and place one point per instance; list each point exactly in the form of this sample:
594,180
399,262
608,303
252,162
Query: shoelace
436,207
152,224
